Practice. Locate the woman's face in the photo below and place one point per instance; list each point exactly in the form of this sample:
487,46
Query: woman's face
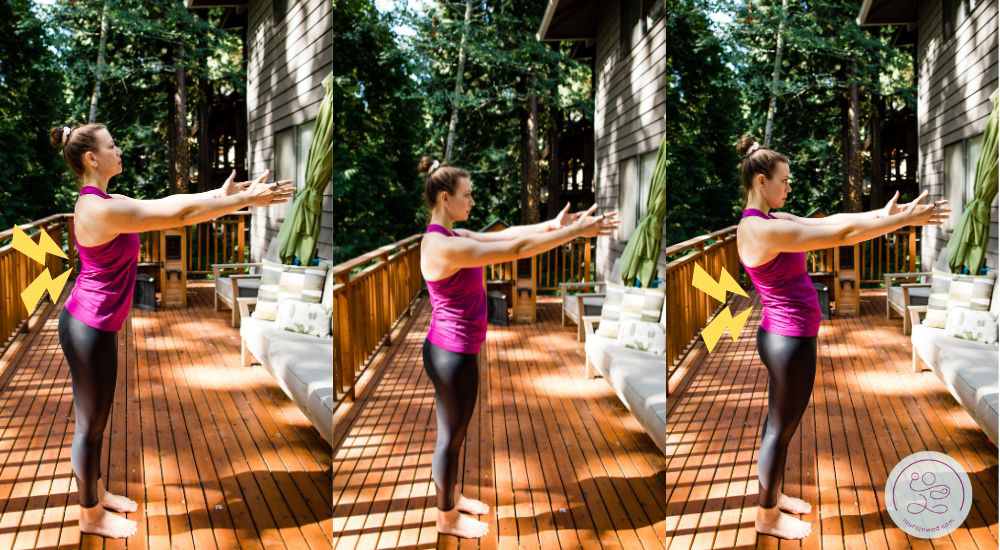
775,190
459,205
106,161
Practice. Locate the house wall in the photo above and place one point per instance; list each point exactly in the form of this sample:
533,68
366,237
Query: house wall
955,80
629,113
287,61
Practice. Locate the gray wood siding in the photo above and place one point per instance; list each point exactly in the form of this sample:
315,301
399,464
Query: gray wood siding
629,113
955,80
286,65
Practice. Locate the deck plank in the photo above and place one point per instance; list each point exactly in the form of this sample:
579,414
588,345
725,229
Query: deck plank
214,453
868,411
558,458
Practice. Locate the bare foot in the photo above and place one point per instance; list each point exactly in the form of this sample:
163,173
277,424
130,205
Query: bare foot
117,503
793,505
772,521
99,521
452,522
471,506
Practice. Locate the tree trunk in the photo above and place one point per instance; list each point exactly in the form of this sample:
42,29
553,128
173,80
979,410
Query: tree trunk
555,202
852,192
529,161
206,170
453,122
183,155
96,96
879,193
772,105
171,90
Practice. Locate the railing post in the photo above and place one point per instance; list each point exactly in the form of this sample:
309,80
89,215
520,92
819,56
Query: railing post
913,249
240,239
386,298
586,260
346,378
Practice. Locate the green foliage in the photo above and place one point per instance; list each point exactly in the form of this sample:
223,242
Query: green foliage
48,61
719,85
29,103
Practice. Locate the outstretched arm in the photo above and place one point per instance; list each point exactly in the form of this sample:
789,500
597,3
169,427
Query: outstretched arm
784,235
562,219
126,215
842,218
459,252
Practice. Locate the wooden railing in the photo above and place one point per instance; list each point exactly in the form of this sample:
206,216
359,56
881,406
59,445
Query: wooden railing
222,240
219,241
897,252
17,271
371,294
572,262
689,309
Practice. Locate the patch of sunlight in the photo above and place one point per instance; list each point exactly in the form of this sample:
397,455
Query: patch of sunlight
217,378
889,383
143,322
560,386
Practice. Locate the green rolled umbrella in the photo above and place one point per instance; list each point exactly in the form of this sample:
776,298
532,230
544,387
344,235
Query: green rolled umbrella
645,247
967,246
300,231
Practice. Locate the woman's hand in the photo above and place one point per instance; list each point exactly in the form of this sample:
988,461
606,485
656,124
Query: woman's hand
231,187
891,207
261,193
924,214
564,218
593,226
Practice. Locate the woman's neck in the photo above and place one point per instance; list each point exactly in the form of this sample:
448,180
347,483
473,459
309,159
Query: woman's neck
442,219
94,181
757,203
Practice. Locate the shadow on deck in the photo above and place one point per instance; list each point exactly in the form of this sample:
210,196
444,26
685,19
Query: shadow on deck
558,458
215,454
868,411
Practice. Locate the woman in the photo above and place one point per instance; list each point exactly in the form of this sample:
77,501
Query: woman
451,261
772,247
105,231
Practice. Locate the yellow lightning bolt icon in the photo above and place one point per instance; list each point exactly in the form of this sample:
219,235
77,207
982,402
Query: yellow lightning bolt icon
31,295
23,244
723,321
716,289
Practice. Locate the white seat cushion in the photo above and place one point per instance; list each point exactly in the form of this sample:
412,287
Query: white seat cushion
932,343
971,377
304,372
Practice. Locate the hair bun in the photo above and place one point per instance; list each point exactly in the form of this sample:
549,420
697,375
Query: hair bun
424,166
745,144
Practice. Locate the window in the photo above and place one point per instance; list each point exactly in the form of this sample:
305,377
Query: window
960,160
291,153
628,191
635,178
637,18
280,8
303,142
953,14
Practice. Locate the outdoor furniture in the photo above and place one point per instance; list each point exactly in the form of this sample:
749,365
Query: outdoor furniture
639,378
903,290
584,303
967,368
299,362
231,284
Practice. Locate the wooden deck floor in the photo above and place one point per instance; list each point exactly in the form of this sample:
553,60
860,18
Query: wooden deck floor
868,411
560,461
214,453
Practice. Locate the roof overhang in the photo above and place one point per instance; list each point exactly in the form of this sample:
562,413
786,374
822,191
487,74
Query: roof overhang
569,20
887,12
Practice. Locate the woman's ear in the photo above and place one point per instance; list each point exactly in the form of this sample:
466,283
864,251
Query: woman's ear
90,159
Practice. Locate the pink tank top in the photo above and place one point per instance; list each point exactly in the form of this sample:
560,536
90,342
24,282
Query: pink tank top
787,294
102,295
458,307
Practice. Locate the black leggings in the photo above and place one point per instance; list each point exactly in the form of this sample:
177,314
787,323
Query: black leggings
791,371
456,382
93,366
